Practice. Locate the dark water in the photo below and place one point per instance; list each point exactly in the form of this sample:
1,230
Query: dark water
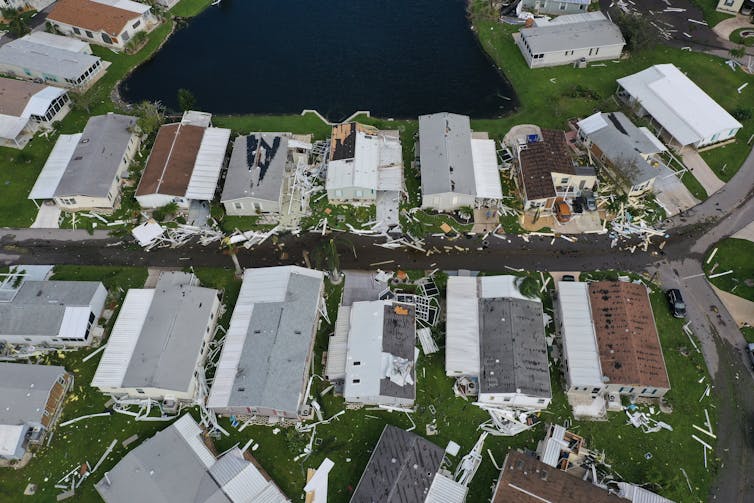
395,58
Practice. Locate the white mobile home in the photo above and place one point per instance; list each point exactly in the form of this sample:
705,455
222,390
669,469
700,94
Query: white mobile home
26,107
52,313
578,37
160,340
264,365
484,318
84,171
381,354
685,114
458,167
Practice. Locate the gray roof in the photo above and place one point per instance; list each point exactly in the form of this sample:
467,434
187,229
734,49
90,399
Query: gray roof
400,470
256,167
24,390
361,286
170,342
572,36
398,339
45,59
280,335
164,469
38,306
97,157
512,347
623,144
445,154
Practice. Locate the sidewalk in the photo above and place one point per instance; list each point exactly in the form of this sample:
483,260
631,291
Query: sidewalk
745,233
51,234
723,29
701,171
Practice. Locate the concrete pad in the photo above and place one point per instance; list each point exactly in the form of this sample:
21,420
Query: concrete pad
746,233
741,310
485,220
580,223
701,171
48,217
672,194
388,203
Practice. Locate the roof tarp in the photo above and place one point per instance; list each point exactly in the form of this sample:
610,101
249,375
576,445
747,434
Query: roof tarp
57,162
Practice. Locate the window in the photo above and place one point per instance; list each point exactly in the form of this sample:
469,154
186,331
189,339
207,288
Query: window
68,201
541,400
356,364
564,180
106,39
238,206
136,24
596,51
139,390
356,381
562,6
89,34
595,390
126,36
729,3
76,31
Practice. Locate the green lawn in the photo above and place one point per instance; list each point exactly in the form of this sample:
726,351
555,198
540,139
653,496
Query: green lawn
712,16
738,39
298,124
189,8
736,255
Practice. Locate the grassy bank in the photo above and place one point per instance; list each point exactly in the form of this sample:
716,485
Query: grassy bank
733,255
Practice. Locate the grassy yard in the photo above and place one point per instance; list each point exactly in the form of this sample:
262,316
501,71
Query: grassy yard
738,39
350,440
297,124
733,255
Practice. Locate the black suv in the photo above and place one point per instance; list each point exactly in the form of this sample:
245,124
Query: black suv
675,300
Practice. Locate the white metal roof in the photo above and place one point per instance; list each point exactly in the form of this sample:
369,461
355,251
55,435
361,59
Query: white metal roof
147,232
579,337
462,339
446,490
373,152
208,164
262,285
40,102
10,438
75,320
638,494
128,5
593,123
59,41
123,338
57,162
337,346
365,346
553,444
492,287
679,105
11,127
390,178
191,432
486,174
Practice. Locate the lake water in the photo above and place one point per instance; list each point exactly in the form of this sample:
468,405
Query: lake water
395,58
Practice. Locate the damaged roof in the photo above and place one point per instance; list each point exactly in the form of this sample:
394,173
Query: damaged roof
257,166
525,479
629,346
513,349
539,160
401,469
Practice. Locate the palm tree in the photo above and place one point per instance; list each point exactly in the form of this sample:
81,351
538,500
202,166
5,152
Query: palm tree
528,286
17,24
327,256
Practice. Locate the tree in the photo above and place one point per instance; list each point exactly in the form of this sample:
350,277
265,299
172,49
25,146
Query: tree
150,117
528,286
737,52
83,101
638,31
17,24
327,256
186,100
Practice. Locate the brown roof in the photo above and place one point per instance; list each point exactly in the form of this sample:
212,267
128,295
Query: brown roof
525,479
540,159
15,94
91,15
630,351
171,161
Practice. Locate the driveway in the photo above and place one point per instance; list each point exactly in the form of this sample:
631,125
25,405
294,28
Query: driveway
48,217
701,171
741,310
746,233
672,194
723,29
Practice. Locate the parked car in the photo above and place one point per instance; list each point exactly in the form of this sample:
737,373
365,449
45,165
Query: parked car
675,300
750,350
591,203
578,204
562,211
